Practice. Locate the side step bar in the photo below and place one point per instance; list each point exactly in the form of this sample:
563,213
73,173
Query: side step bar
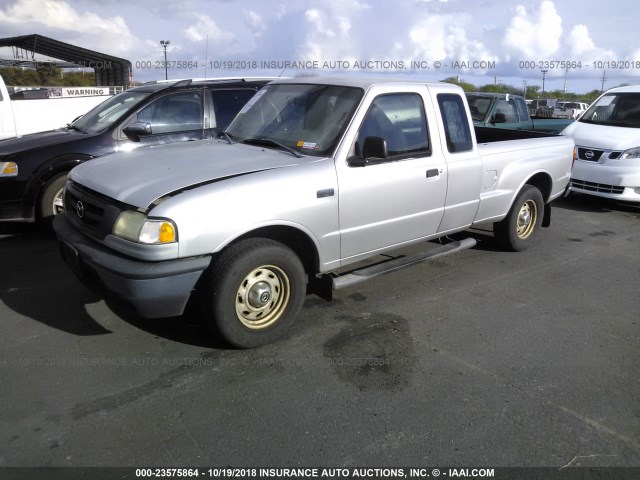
324,285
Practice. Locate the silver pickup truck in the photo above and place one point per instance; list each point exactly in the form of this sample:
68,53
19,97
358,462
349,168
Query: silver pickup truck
313,176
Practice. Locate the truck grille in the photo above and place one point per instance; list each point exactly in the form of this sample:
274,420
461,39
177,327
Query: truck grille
589,154
90,212
596,187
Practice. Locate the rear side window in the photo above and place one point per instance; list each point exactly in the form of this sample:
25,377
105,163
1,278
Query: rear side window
456,125
227,104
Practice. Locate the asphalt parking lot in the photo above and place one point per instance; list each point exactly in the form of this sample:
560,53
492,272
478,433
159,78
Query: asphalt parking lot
484,358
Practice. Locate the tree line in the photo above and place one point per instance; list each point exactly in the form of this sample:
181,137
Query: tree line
46,76
532,92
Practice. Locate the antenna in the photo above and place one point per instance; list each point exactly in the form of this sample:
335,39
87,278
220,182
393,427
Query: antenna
206,57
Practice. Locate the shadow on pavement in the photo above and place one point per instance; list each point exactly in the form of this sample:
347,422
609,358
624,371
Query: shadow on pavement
35,282
188,329
592,204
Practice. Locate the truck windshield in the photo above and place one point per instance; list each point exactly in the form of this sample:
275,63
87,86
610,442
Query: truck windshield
615,109
108,112
307,118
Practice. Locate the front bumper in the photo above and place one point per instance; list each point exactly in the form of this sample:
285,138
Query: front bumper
153,289
616,179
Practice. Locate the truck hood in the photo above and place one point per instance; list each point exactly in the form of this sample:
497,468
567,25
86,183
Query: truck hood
603,136
34,141
141,176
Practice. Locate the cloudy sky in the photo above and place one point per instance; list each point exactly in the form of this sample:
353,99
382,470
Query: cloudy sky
482,41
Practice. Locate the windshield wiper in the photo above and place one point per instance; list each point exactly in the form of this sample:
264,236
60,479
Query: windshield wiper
227,137
73,127
268,141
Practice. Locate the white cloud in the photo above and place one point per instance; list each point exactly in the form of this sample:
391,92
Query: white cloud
582,47
206,26
254,22
534,37
329,34
109,35
444,38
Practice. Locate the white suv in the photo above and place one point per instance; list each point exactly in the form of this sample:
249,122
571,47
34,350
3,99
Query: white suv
607,138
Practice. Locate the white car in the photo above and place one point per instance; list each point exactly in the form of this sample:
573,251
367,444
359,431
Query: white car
607,138
569,109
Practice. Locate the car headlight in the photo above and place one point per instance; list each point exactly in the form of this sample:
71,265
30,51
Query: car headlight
630,153
8,169
136,227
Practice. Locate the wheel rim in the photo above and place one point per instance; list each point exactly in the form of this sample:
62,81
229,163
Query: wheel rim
527,218
58,202
262,297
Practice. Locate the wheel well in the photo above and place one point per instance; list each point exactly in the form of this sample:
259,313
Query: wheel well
293,238
543,182
49,170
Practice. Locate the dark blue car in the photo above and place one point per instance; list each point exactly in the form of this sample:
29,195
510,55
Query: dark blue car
151,114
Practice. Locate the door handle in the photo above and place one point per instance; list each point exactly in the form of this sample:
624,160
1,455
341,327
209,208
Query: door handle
433,172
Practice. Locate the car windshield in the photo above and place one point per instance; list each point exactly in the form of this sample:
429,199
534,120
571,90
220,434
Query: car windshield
309,119
108,112
615,109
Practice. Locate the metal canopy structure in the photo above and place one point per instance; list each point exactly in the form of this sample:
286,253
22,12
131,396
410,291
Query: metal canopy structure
109,70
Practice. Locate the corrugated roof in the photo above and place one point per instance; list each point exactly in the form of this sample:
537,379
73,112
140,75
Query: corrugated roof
109,70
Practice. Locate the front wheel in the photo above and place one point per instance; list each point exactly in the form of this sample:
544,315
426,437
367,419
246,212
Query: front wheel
52,198
254,292
523,221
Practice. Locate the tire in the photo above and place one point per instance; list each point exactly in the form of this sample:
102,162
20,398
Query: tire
52,198
253,292
519,227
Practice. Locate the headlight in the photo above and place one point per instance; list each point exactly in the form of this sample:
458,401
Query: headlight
631,153
8,169
136,227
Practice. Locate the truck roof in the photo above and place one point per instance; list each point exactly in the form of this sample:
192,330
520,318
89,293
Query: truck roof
493,94
627,89
364,82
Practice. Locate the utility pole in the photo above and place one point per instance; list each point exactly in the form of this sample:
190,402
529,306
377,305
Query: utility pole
165,44
544,75
566,70
524,89
603,78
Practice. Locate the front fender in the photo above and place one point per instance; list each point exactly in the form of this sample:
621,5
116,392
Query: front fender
45,172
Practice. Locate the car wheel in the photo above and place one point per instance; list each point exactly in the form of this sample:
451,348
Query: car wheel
253,292
523,221
52,198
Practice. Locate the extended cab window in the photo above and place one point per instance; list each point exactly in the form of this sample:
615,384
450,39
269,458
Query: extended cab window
178,112
523,113
227,104
399,118
456,124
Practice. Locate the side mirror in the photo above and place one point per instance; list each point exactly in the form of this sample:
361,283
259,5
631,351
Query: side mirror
374,150
137,130
498,117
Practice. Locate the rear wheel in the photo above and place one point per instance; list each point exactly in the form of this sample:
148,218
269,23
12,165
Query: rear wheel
522,222
254,292
52,198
